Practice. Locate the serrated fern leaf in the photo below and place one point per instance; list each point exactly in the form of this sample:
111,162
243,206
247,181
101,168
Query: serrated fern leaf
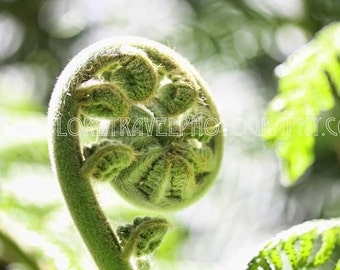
311,245
306,247
289,249
309,81
329,239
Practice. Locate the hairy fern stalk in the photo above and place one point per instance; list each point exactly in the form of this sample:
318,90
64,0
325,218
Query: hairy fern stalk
167,163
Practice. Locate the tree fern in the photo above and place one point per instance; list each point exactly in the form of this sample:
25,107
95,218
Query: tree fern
311,245
309,84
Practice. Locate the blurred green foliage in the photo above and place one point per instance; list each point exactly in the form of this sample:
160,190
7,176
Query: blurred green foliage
23,152
309,84
220,37
244,33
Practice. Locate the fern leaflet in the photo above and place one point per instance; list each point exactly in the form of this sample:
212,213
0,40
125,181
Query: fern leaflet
309,84
311,245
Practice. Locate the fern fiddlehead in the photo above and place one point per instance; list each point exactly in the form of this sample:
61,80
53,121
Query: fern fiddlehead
311,245
163,155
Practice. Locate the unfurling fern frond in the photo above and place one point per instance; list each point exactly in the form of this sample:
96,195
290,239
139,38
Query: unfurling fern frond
311,245
163,155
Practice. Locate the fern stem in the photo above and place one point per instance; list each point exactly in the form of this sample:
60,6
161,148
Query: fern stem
67,161
82,203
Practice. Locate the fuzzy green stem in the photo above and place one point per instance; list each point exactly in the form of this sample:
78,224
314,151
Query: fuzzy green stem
82,202
67,161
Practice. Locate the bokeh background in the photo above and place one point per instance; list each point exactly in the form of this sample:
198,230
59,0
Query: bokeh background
235,45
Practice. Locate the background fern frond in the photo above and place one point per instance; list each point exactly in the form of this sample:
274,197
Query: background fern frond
311,245
309,84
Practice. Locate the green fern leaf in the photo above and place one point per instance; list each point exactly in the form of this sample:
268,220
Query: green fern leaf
306,247
329,239
289,248
275,258
309,81
311,245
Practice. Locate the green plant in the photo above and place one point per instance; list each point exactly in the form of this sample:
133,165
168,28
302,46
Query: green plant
309,91
163,155
11,249
311,245
309,88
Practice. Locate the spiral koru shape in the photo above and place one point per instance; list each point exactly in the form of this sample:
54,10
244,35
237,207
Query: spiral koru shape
164,145
161,151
